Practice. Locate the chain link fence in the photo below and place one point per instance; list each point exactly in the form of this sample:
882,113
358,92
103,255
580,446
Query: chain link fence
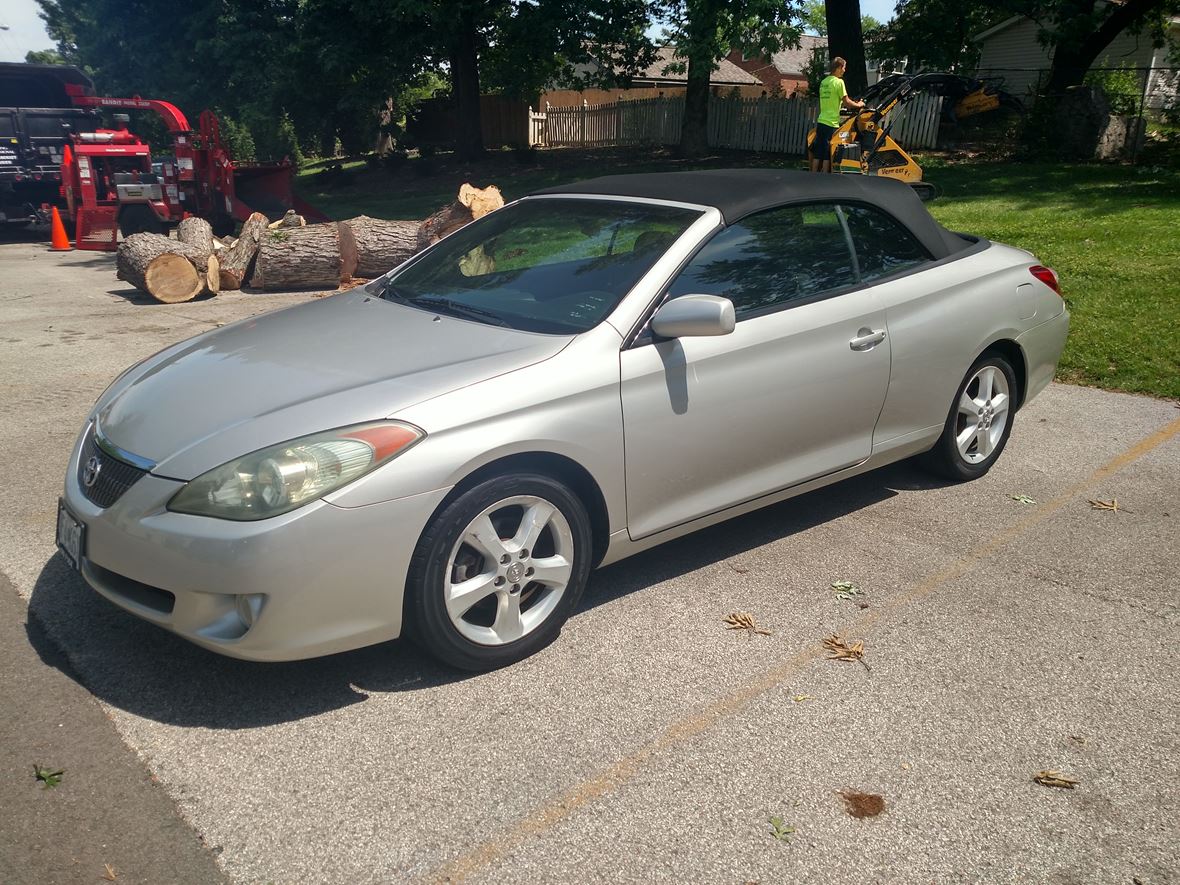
1136,116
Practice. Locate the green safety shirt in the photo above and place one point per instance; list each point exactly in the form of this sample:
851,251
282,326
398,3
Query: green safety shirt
831,97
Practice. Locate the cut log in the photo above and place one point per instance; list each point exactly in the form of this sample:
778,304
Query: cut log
157,265
381,245
196,232
237,260
290,219
212,275
318,256
473,203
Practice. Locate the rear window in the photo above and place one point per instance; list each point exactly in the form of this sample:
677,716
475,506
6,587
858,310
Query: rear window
7,129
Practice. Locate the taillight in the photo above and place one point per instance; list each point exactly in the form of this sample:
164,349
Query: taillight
1046,275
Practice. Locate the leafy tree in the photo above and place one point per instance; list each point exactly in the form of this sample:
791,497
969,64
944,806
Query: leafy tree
44,57
1078,31
937,33
704,31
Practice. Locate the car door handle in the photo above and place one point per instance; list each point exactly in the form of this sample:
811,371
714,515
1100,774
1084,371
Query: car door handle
867,339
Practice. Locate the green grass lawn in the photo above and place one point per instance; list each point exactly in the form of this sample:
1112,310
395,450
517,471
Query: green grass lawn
1111,232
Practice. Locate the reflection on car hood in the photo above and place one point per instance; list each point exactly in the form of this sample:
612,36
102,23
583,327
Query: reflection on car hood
324,364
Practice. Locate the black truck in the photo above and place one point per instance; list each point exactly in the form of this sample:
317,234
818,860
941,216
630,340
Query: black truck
36,118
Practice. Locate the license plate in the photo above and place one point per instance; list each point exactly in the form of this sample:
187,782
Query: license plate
71,536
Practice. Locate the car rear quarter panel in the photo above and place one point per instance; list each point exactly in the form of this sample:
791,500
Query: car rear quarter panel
941,319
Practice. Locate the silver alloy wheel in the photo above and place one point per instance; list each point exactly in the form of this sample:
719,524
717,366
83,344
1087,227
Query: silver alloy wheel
982,415
509,570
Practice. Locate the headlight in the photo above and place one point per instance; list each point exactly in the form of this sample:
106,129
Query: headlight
278,479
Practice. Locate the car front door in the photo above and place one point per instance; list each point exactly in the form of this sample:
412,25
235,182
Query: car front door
793,393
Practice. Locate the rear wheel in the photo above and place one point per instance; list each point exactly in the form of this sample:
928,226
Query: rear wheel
498,572
979,422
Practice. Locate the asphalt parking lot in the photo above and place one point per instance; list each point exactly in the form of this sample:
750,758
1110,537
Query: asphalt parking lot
1002,637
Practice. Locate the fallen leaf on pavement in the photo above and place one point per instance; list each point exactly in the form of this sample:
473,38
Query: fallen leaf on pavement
860,804
109,874
1051,778
1112,505
845,589
743,621
46,777
1023,499
840,650
780,830
800,698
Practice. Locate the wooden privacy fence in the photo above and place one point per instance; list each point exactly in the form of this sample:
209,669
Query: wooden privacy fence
777,125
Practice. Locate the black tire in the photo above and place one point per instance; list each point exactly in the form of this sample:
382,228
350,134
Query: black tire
945,459
428,622
137,219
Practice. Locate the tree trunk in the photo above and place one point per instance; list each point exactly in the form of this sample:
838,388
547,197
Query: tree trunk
1072,58
473,203
846,40
382,245
319,256
196,232
168,270
694,132
465,82
237,261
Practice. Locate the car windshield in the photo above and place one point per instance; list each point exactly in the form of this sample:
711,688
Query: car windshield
557,266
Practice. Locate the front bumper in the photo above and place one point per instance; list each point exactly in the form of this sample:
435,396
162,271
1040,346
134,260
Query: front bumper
330,578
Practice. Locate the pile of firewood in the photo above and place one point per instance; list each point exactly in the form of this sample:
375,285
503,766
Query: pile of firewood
289,253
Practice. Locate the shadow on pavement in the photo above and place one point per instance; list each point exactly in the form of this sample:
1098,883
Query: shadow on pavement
147,671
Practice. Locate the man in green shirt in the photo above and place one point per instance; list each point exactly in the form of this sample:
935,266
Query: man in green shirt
832,97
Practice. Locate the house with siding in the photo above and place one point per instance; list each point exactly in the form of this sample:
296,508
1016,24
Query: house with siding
784,70
1010,51
655,81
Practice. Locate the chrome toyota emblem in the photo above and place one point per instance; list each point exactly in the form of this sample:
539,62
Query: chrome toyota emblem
91,470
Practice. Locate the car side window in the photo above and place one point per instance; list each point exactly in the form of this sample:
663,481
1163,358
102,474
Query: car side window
882,245
770,259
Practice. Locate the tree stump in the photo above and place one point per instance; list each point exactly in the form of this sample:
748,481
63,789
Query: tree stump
318,256
196,232
381,245
473,203
237,260
168,270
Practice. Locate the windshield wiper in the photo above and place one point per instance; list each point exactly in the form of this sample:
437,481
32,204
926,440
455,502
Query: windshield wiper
388,291
455,308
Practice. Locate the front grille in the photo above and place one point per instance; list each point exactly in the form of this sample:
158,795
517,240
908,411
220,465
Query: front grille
113,477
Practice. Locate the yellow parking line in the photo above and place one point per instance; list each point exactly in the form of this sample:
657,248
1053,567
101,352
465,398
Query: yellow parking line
621,772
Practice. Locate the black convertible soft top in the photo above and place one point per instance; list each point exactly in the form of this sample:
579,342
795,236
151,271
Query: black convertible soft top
737,193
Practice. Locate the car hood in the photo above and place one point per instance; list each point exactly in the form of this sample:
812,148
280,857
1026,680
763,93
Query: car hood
325,364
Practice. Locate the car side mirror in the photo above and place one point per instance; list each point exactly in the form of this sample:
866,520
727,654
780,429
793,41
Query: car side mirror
693,316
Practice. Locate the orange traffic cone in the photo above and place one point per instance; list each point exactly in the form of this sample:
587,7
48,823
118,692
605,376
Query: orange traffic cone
60,242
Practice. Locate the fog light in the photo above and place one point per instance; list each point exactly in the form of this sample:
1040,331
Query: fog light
249,607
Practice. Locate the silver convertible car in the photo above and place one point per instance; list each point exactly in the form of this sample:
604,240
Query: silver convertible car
581,375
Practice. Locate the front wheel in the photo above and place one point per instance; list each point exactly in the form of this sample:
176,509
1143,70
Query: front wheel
979,422
498,572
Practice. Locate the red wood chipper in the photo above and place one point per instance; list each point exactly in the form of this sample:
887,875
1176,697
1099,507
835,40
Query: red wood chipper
112,185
